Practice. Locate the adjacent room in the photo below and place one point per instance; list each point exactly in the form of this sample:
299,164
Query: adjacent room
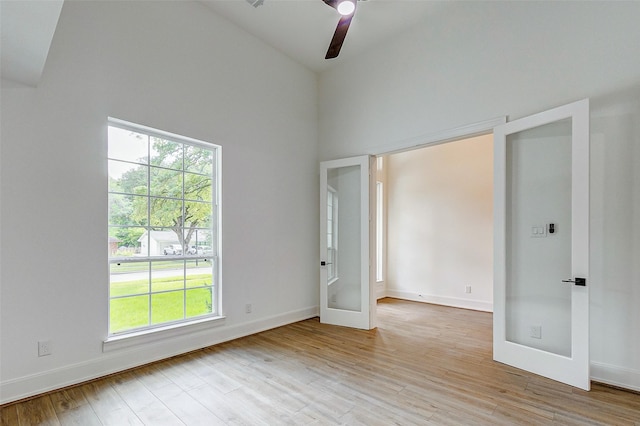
439,205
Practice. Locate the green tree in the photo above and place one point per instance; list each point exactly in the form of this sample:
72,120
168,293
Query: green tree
175,171
178,171
121,206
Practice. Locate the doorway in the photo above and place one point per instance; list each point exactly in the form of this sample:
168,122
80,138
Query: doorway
569,171
439,215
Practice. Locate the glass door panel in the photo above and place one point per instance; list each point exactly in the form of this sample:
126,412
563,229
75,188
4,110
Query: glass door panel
343,228
347,238
538,312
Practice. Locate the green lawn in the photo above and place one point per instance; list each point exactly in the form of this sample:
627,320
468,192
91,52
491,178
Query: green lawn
133,311
141,286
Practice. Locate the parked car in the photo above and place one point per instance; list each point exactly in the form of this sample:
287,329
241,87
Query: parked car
192,250
173,249
204,250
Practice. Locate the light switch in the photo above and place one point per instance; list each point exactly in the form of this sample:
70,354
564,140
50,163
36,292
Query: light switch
539,231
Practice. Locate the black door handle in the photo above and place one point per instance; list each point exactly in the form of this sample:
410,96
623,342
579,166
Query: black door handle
577,281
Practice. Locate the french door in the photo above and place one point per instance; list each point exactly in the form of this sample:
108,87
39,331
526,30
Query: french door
541,244
347,242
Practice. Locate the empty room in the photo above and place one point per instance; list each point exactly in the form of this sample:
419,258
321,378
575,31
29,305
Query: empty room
189,197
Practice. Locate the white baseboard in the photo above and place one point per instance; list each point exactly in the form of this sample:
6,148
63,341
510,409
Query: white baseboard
380,292
120,360
615,376
476,305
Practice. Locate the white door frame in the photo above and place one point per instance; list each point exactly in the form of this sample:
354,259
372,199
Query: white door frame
366,317
418,142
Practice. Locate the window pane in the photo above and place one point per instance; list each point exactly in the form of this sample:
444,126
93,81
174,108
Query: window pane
199,273
165,212
197,214
166,153
129,279
197,187
129,312
127,145
198,160
198,241
163,242
166,307
125,241
167,275
165,183
127,177
199,302
127,210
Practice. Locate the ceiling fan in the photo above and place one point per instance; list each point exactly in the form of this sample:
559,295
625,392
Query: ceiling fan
346,8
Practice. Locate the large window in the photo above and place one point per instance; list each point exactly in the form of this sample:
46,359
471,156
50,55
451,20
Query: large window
163,228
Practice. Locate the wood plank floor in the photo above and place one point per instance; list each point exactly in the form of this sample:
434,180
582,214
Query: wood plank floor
424,365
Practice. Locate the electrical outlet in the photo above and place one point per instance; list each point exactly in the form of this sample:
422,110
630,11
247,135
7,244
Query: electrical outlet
44,348
467,289
535,331
248,308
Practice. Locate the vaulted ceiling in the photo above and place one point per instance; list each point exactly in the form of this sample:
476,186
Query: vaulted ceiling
301,29
27,31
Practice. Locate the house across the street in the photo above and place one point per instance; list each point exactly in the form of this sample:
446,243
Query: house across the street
157,242
166,242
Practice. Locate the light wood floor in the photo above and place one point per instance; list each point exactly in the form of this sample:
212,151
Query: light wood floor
424,364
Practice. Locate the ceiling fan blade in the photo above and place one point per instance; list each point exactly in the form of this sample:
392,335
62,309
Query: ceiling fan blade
338,37
332,3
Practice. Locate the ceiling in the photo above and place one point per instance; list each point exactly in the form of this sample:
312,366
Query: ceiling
302,29
27,31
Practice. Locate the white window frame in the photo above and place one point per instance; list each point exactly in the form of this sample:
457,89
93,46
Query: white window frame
170,328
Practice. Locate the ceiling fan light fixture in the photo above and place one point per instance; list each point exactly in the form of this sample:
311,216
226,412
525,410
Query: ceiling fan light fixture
346,7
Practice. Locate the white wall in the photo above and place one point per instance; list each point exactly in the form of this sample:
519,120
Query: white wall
440,216
491,59
615,238
174,66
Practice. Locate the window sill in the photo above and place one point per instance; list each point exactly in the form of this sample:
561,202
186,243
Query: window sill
161,333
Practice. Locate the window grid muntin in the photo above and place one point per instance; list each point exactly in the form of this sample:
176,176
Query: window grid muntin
212,230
